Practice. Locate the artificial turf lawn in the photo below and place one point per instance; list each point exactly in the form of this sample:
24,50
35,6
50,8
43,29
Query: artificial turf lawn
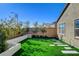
40,47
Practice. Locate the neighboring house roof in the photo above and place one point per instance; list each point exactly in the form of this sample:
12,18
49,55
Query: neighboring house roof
63,11
48,25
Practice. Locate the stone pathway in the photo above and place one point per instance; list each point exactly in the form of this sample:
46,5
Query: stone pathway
70,52
62,45
67,47
58,43
51,45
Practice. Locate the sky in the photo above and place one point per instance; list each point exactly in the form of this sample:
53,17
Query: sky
32,12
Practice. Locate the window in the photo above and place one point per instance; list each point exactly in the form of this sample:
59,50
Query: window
76,27
62,28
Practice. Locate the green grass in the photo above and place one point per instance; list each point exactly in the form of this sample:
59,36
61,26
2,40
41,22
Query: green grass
40,47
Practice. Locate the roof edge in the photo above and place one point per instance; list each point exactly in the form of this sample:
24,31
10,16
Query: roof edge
63,12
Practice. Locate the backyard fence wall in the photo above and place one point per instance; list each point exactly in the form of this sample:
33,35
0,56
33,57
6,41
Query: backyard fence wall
50,32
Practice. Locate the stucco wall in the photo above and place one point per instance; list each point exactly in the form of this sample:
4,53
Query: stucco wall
51,32
71,14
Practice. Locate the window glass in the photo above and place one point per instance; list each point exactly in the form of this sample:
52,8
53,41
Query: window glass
77,23
61,28
76,27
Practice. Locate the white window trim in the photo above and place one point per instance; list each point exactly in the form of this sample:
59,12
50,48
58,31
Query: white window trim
76,28
61,33
60,29
77,37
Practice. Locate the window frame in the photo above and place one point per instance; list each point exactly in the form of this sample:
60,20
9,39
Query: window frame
75,29
62,31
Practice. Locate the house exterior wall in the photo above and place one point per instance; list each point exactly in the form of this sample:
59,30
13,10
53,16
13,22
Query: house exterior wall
71,14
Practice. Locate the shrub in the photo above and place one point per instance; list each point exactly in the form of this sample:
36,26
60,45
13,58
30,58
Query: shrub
2,41
33,36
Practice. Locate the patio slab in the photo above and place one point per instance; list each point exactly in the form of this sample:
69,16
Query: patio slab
70,52
62,45
51,45
67,47
58,43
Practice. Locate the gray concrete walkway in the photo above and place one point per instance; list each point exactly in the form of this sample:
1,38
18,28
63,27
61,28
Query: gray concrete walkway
14,45
18,39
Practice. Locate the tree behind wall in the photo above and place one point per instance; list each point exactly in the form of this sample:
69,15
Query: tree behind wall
43,29
36,28
3,38
27,26
10,28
